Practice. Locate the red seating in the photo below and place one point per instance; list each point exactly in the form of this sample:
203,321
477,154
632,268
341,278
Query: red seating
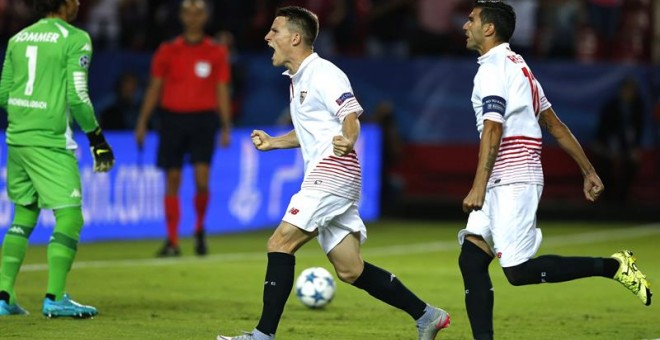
445,172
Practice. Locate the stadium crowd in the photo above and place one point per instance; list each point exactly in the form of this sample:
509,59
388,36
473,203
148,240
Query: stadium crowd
586,30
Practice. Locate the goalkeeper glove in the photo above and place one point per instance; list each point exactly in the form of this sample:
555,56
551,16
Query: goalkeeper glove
104,159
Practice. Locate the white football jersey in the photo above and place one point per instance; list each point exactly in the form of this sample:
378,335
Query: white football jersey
320,98
506,91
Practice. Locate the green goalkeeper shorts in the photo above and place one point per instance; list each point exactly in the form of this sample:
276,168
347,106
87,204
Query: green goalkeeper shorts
48,176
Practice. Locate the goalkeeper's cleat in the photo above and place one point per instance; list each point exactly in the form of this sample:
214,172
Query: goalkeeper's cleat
169,250
200,243
431,323
631,277
66,308
254,335
13,309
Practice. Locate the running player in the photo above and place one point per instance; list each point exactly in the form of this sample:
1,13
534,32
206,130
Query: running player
511,108
325,114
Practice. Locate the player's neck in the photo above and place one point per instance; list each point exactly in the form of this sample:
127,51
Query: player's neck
294,65
193,37
60,16
489,45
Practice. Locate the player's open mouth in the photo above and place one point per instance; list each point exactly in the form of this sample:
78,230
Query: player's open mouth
273,48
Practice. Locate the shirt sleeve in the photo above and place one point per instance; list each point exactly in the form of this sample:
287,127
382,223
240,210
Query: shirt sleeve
545,103
337,94
223,66
79,57
6,82
159,67
493,94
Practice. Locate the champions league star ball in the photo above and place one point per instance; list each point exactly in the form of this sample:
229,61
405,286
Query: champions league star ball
315,287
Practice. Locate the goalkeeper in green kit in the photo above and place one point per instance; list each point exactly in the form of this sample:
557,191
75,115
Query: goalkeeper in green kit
43,86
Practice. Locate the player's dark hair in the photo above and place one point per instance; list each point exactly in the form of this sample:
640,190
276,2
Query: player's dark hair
500,14
303,20
44,7
200,3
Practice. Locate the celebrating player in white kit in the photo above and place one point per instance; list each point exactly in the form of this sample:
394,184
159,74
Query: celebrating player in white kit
510,108
325,114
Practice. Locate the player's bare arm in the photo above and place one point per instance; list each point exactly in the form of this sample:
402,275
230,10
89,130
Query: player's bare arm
264,142
224,110
593,186
344,144
488,149
147,109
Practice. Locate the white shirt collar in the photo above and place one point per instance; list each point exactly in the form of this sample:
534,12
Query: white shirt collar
493,51
305,62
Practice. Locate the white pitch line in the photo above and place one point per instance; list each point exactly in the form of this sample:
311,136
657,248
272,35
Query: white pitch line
417,248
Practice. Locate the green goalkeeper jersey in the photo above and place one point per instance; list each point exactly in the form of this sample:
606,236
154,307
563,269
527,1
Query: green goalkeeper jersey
44,83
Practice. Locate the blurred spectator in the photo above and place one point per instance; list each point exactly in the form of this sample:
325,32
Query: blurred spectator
243,19
164,22
559,23
438,27
604,17
618,140
103,24
635,33
133,16
238,72
14,16
389,24
123,113
524,36
330,13
352,27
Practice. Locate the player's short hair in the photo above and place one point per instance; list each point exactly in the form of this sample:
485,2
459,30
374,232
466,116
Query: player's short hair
302,20
196,3
44,7
499,14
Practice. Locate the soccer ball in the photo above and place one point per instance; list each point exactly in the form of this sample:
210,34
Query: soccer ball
315,287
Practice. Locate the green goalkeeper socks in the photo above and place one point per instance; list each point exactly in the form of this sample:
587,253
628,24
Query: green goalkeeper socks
62,248
15,245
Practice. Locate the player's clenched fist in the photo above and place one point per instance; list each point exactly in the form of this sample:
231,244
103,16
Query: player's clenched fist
261,140
341,146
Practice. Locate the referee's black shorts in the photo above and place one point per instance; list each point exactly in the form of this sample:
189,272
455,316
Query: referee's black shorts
182,135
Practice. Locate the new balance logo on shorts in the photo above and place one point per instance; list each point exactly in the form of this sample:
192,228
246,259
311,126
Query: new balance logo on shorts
293,211
75,193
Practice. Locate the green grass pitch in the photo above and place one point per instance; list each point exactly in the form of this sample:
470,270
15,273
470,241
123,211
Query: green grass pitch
140,297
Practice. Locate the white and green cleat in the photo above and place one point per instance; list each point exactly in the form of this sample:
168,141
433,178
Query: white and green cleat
67,308
631,277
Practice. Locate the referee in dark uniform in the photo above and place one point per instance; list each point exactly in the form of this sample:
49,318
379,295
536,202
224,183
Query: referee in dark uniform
190,78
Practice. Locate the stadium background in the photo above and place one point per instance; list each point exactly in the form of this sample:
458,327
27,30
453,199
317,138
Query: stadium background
412,75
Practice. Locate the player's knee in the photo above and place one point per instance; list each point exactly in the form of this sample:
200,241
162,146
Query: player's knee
516,275
348,275
71,217
69,222
473,258
278,244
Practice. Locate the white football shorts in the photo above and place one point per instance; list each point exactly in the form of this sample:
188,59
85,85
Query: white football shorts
507,222
335,217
